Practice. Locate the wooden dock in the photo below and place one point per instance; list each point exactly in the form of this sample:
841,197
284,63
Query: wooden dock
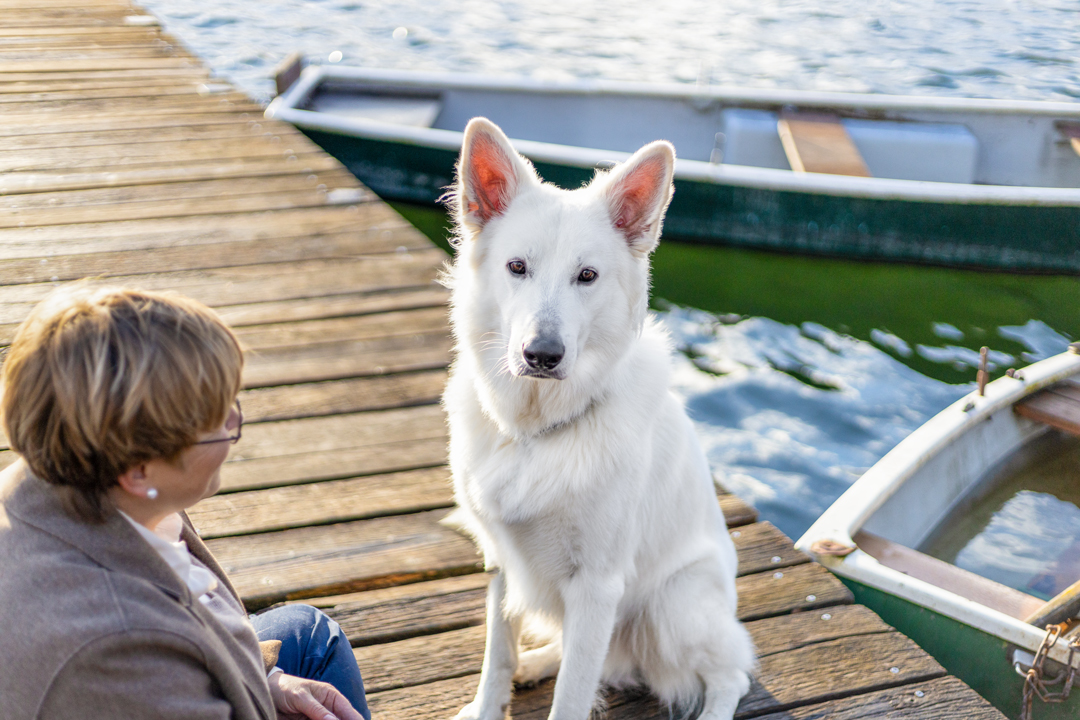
122,159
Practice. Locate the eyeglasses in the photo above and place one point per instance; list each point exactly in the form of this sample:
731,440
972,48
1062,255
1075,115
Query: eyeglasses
233,423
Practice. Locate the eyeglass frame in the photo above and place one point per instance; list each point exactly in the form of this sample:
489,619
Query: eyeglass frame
230,439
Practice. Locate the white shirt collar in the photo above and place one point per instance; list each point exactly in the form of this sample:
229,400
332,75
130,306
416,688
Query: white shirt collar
165,539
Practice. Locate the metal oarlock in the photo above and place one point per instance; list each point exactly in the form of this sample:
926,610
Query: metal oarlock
983,375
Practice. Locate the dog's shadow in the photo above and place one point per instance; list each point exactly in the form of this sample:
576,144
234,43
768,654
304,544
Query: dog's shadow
534,703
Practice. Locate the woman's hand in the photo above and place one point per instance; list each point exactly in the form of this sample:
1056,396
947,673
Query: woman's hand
308,699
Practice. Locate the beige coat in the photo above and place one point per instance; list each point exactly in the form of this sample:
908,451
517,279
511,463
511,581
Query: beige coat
95,625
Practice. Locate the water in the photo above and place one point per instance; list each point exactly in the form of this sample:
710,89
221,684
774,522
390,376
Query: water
1024,529
799,372
986,48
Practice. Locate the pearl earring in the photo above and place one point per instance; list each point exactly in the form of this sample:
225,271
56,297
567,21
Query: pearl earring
152,494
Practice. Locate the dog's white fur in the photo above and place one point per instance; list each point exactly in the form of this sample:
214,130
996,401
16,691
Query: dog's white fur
583,483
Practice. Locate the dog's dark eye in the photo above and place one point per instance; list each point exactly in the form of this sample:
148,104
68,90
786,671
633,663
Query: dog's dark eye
587,275
516,266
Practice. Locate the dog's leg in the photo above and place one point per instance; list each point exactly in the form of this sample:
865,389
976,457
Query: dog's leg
500,659
590,603
722,694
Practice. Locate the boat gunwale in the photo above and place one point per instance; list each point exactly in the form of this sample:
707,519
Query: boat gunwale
846,516
286,107
710,93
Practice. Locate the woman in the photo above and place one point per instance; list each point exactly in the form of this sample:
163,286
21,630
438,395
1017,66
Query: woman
122,405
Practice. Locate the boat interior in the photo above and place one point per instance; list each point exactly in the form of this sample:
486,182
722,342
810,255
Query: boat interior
1027,456
915,142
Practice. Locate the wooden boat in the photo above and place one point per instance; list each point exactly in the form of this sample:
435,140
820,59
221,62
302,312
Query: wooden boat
982,630
948,181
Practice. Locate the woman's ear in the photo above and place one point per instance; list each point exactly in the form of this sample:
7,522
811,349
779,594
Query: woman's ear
135,480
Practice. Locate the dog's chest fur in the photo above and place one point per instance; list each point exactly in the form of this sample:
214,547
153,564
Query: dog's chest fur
542,506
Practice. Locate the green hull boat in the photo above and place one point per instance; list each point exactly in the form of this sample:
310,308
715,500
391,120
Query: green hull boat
965,182
974,477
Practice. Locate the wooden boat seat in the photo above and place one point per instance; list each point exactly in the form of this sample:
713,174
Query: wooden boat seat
1072,132
819,144
1057,406
949,577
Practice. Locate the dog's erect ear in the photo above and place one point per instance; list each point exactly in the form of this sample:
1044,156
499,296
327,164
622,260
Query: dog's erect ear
638,193
490,172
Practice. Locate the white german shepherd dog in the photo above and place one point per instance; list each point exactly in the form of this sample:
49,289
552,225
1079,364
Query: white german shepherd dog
576,470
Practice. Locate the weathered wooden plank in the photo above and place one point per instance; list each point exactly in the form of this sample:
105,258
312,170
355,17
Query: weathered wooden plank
241,143
762,547
24,66
366,222
836,668
18,206
440,699
343,396
308,562
234,203
65,31
213,256
36,6
206,160
802,587
72,38
311,332
262,283
355,358
132,140
27,48
321,503
43,110
736,511
334,305
85,52
198,82
23,183
943,698
337,432
383,457
413,591
126,155
783,633
407,611
421,660
68,125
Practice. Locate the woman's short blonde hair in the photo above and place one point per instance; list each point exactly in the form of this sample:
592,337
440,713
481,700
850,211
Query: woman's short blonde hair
99,380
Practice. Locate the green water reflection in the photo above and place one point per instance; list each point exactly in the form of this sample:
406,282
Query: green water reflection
852,297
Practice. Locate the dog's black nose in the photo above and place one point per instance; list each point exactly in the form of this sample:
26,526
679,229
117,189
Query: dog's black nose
543,353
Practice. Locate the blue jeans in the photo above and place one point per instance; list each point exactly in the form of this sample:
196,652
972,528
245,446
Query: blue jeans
313,647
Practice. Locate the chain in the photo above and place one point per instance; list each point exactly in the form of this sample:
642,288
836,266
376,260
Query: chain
1035,685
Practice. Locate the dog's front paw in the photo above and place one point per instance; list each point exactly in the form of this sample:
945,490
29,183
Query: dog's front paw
476,711
539,664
